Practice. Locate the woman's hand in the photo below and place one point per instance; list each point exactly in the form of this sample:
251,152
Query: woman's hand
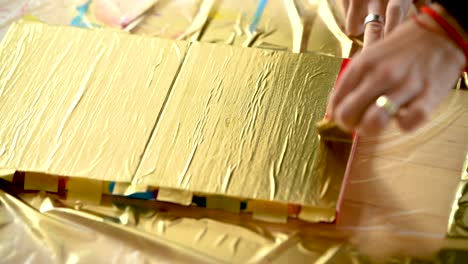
414,67
393,12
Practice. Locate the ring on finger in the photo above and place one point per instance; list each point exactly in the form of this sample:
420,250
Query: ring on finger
373,18
387,105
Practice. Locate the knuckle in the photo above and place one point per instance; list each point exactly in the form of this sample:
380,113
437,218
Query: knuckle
374,28
387,73
365,63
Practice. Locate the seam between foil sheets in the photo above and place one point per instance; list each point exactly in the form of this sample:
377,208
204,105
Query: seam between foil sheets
135,180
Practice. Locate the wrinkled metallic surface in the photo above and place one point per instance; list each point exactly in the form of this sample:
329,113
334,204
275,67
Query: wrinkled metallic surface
205,118
298,26
458,222
59,231
406,221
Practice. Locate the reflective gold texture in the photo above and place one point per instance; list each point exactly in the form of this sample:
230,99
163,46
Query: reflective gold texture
297,26
79,189
323,34
330,131
241,122
260,23
64,235
80,102
40,182
458,221
175,196
204,118
6,174
465,169
111,231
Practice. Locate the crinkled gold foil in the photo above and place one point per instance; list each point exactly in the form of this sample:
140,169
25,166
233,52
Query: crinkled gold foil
62,235
298,26
458,221
107,241
88,99
204,239
253,24
324,35
204,118
241,122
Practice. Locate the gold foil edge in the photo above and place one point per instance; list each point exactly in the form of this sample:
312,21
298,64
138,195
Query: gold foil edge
458,219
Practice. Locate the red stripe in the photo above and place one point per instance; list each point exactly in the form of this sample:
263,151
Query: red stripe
339,203
344,64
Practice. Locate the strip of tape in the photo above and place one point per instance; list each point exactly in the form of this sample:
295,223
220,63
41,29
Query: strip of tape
175,196
223,203
88,190
269,211
7,174
314,214
40,182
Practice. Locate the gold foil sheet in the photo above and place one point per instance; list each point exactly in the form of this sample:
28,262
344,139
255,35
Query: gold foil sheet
129,231
298,26
241,123
134,233
203,118
366,218
322,33
458,221
62,236
89,92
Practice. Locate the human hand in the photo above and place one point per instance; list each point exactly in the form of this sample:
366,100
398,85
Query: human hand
393,12
414,67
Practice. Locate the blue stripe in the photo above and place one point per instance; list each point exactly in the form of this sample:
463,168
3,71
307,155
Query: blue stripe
258,15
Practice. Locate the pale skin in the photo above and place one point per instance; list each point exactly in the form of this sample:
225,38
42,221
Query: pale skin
415,67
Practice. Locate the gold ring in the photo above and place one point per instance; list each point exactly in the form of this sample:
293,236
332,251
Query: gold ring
386,104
